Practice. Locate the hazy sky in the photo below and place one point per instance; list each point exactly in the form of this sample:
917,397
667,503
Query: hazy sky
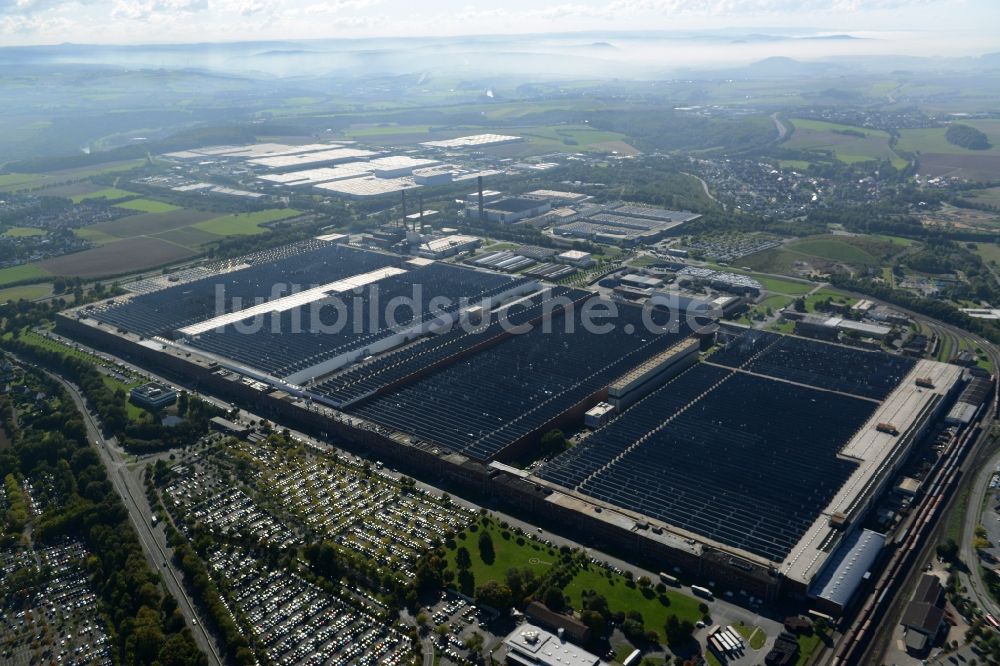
917,26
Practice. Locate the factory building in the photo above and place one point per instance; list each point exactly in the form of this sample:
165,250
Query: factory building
153,396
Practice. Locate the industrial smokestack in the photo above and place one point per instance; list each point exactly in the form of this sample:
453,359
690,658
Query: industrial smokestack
403,192
479,181
420,201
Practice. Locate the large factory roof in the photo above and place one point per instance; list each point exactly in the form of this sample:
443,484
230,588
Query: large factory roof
368,186
473,141
306,159
257,150
321,175
874,450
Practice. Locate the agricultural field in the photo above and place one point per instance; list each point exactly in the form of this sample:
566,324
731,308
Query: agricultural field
243,224
22,273
23,232
989,196
10,182
147,206
847,143
939,157
28,292
109,193
118,258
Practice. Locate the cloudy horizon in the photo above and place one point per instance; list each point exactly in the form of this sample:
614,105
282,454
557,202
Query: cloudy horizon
906,27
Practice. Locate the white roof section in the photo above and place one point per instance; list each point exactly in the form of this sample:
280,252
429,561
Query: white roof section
368,186
447,242
256,150
306,159
473,141
293,300
874,451
392,162
320,175
530,644
574,255
847,568
982,313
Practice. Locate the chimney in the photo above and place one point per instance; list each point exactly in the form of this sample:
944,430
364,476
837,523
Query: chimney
479,181
403,192
420,199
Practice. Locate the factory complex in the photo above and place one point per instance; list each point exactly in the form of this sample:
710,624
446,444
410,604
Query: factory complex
745,459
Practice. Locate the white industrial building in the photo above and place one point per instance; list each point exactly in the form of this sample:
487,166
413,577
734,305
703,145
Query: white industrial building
473,141
530,645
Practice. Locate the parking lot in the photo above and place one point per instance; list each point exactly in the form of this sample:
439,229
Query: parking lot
298,623
341,499
56,621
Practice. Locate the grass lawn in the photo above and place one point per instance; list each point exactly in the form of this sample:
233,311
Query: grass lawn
148,206
509,554
824,294
22,272
623,598
29,292
243,224
808,646
755,636
23,232
779,286
109,193
833,249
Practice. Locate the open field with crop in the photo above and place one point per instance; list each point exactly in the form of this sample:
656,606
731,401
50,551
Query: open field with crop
243,224
20,273
28,292
939,157
109,193
23,232
124,256
847,143
989,196
147,206
29,181
151,223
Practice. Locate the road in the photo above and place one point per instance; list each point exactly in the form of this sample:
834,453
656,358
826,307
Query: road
972,578
782,129
153,540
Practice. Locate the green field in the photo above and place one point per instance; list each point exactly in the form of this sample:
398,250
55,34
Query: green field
28,292
148,206
23,232
847,143
623,597
827,253
20,273
95,236
16,181
243,224
529,554
989,196
109,193
932,139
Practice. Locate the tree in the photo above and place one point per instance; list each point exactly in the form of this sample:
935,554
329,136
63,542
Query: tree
678,632
799,305
947,550
462,558
552,442
554,599
486,552
495,595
